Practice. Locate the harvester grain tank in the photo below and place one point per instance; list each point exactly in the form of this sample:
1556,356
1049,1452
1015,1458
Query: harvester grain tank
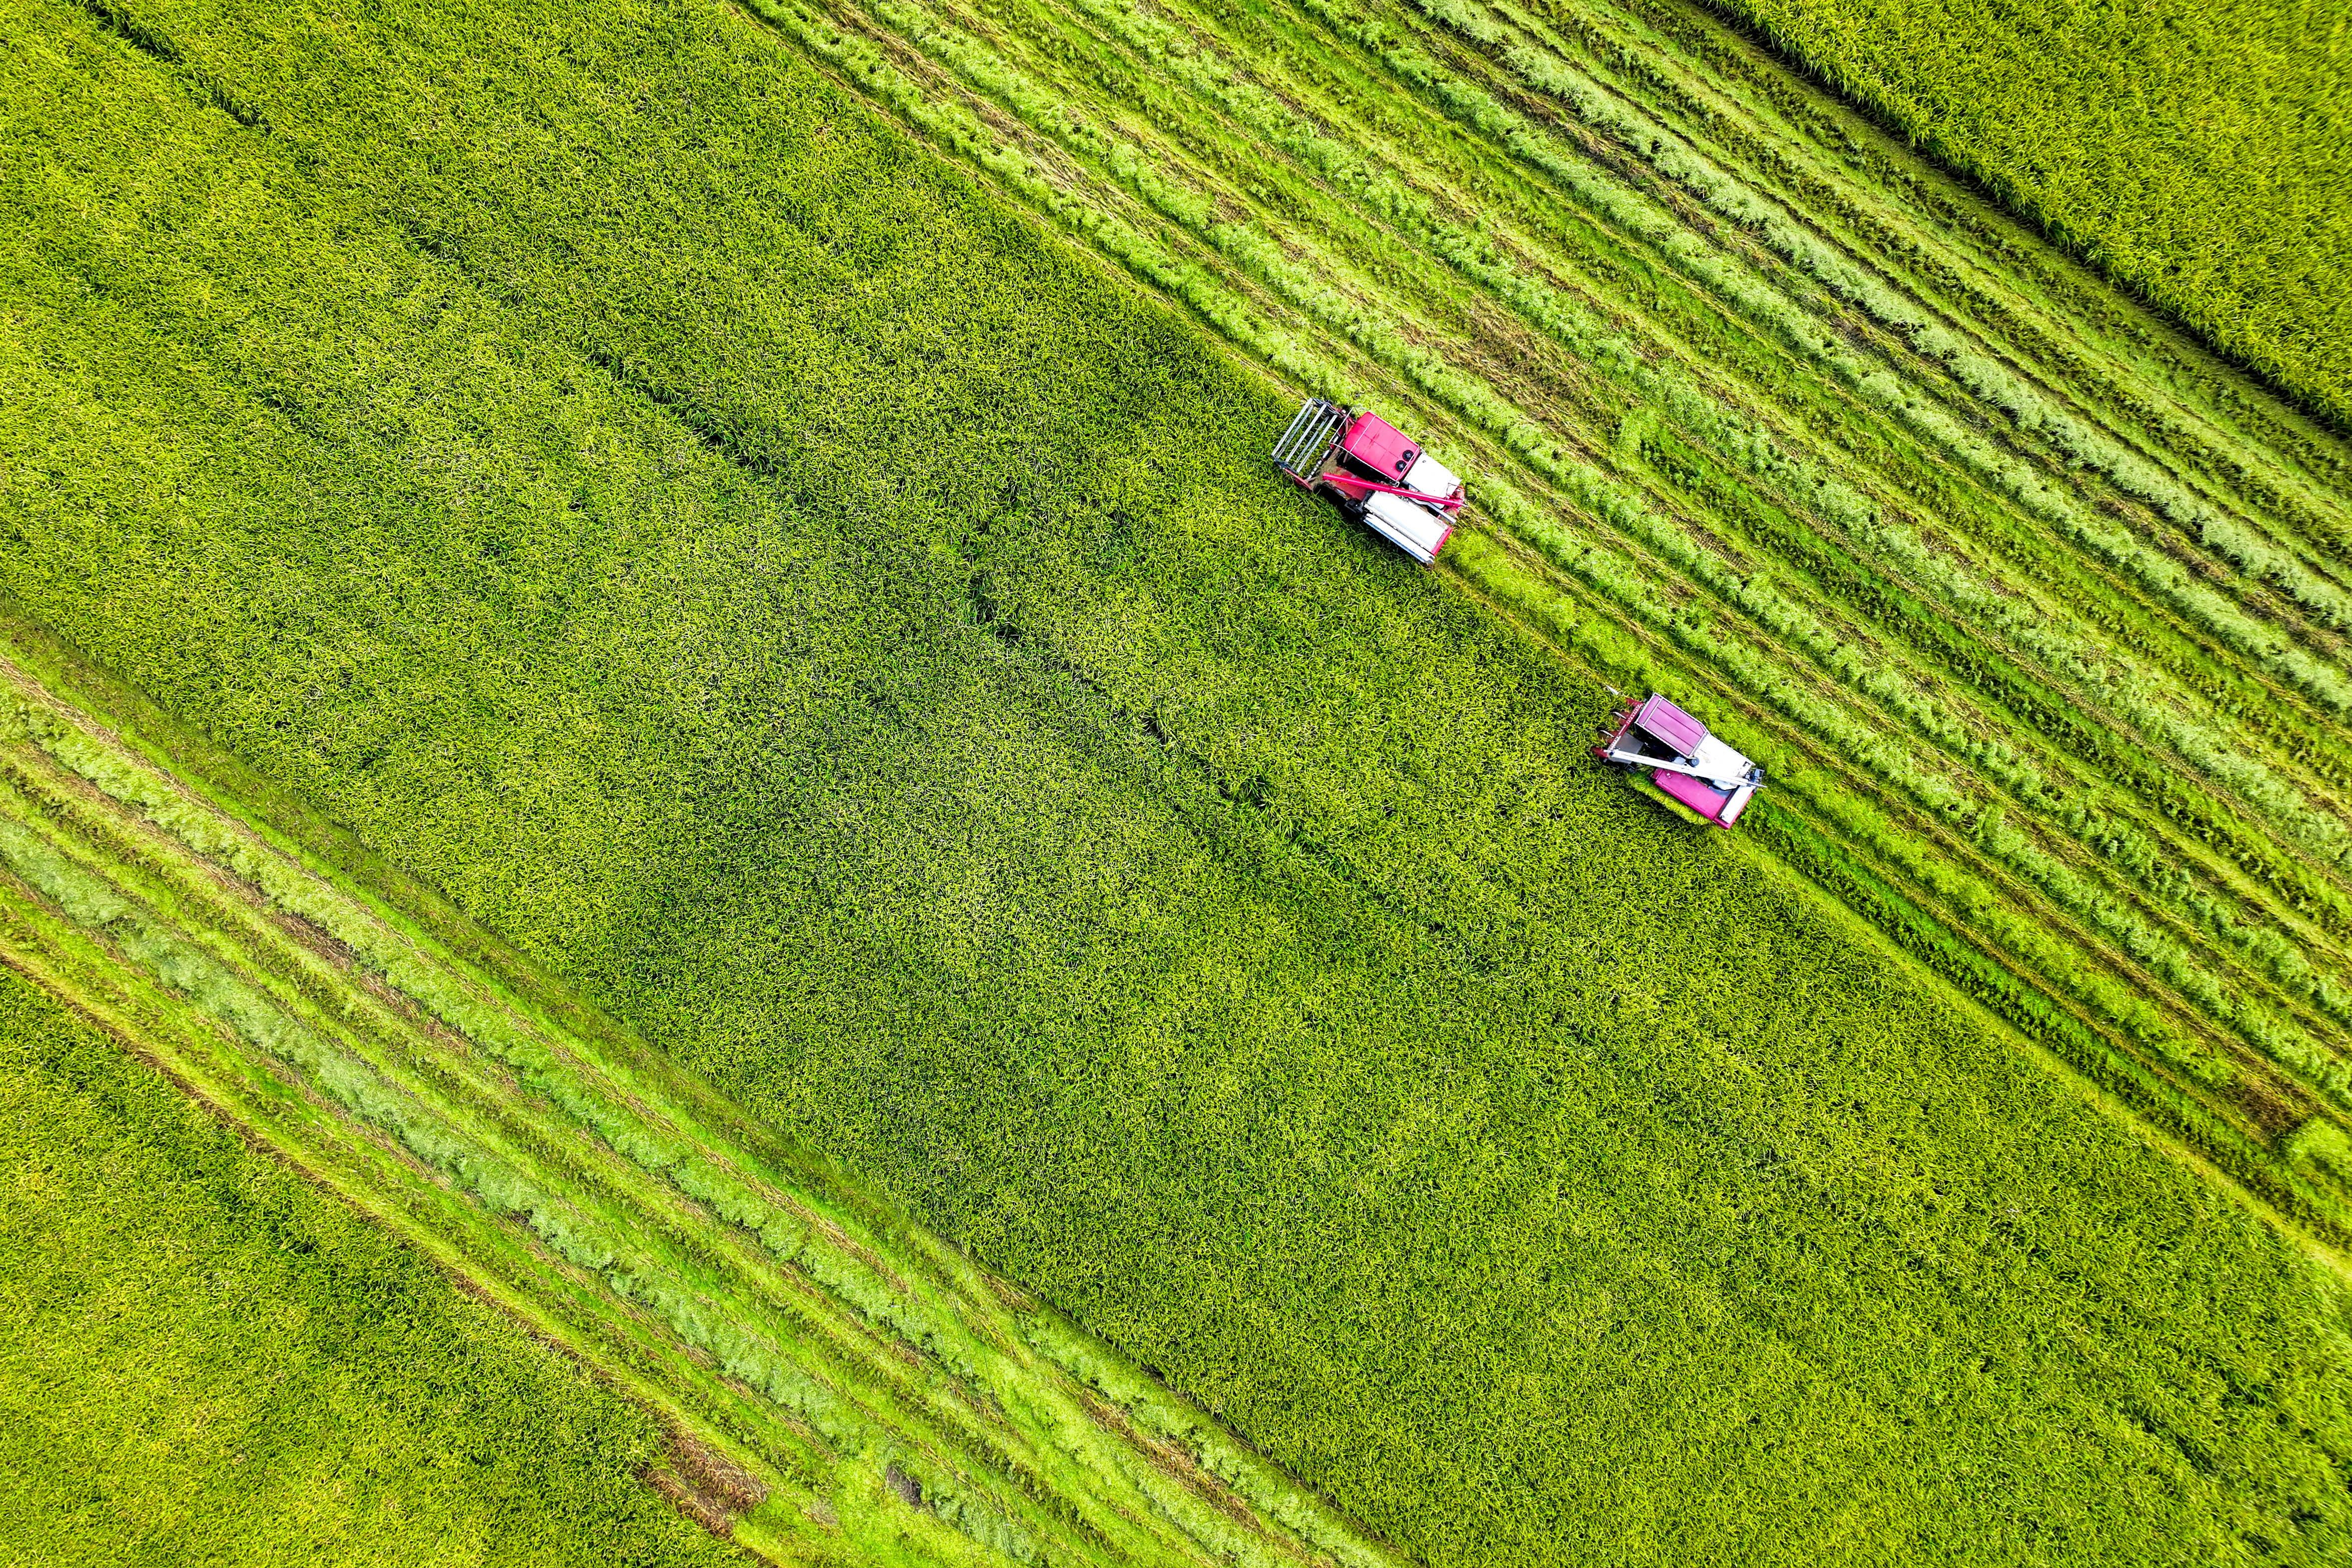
1375,472
1688,765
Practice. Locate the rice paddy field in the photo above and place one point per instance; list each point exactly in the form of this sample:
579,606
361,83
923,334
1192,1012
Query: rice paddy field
763,509
2192,153
209,1359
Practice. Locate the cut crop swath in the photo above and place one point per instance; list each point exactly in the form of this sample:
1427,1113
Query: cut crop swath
868,1390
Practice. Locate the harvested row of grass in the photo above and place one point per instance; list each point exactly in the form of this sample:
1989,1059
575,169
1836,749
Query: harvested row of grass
606,465
1943,347
1174,143
865,1395
2121,402
208,1358
2192,153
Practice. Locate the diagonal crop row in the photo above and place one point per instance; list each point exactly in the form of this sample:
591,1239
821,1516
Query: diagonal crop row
2042,317
2064,415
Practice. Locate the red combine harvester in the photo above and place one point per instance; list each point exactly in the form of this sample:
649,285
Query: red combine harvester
1689,766
1375,473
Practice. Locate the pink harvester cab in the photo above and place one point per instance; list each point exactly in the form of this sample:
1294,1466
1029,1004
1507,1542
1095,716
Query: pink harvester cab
1375,472
1688,765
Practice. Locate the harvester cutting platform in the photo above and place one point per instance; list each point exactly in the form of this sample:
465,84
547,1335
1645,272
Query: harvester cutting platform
1380,475
1689,766
1375,472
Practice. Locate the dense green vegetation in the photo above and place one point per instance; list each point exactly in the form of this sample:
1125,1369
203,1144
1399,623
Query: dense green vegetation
786,593
2037,615
844,1389
2194,151
207,1359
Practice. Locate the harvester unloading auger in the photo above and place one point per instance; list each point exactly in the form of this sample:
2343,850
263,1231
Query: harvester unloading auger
1375,472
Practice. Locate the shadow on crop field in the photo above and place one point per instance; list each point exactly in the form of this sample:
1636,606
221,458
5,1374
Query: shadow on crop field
1247,957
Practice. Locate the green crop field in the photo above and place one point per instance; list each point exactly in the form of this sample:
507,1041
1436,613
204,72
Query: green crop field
836,1386
2037,614
207,1360
2194,151
825,599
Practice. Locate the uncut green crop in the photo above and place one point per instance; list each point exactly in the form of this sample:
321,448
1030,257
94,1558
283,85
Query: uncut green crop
787,591
2192,152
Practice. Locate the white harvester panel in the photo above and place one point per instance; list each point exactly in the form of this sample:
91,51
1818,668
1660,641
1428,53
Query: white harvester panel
1418,529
